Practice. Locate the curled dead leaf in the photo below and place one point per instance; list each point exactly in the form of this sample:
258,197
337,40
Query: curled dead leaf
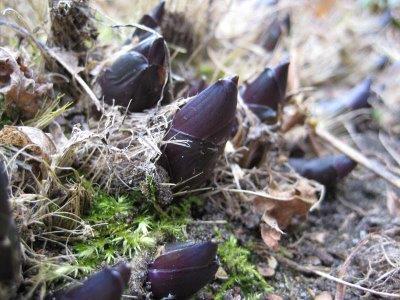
270,236
23,93
34,141
256,153
291,204
282,207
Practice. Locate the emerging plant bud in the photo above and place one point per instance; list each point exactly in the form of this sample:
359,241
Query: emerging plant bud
202,126
356,98
10,261
151,20
287,23
326,170
154,49
271,36
137,78
108,284
183,270
264,95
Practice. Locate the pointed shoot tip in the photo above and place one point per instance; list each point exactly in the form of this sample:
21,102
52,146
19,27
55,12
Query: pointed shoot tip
234,79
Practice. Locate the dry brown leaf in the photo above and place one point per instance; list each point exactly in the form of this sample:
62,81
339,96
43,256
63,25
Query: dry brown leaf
23,93
298,203
34,141
270,236
393,201
32,138
282,207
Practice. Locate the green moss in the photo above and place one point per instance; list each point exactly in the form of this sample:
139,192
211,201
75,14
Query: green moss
242,273
124,225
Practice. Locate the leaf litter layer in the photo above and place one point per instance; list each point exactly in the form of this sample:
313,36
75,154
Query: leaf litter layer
99,195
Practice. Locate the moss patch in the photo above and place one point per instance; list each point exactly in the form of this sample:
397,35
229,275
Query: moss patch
235,260
127,224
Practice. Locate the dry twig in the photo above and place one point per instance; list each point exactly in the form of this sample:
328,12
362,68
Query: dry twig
357,156
308,270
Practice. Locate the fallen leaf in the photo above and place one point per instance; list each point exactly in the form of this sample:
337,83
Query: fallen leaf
23,93
30,138
33,141
282,206
270,236
287,204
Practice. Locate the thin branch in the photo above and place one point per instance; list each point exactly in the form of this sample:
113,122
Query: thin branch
309,271
209,222
341,288
357,156
78,78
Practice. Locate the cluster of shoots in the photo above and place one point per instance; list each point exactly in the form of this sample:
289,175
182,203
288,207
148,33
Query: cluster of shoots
329,169
179,272
266,94
198,132
196,138
138,79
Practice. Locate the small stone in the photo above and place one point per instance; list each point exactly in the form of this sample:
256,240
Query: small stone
273,297
266,271
323,296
